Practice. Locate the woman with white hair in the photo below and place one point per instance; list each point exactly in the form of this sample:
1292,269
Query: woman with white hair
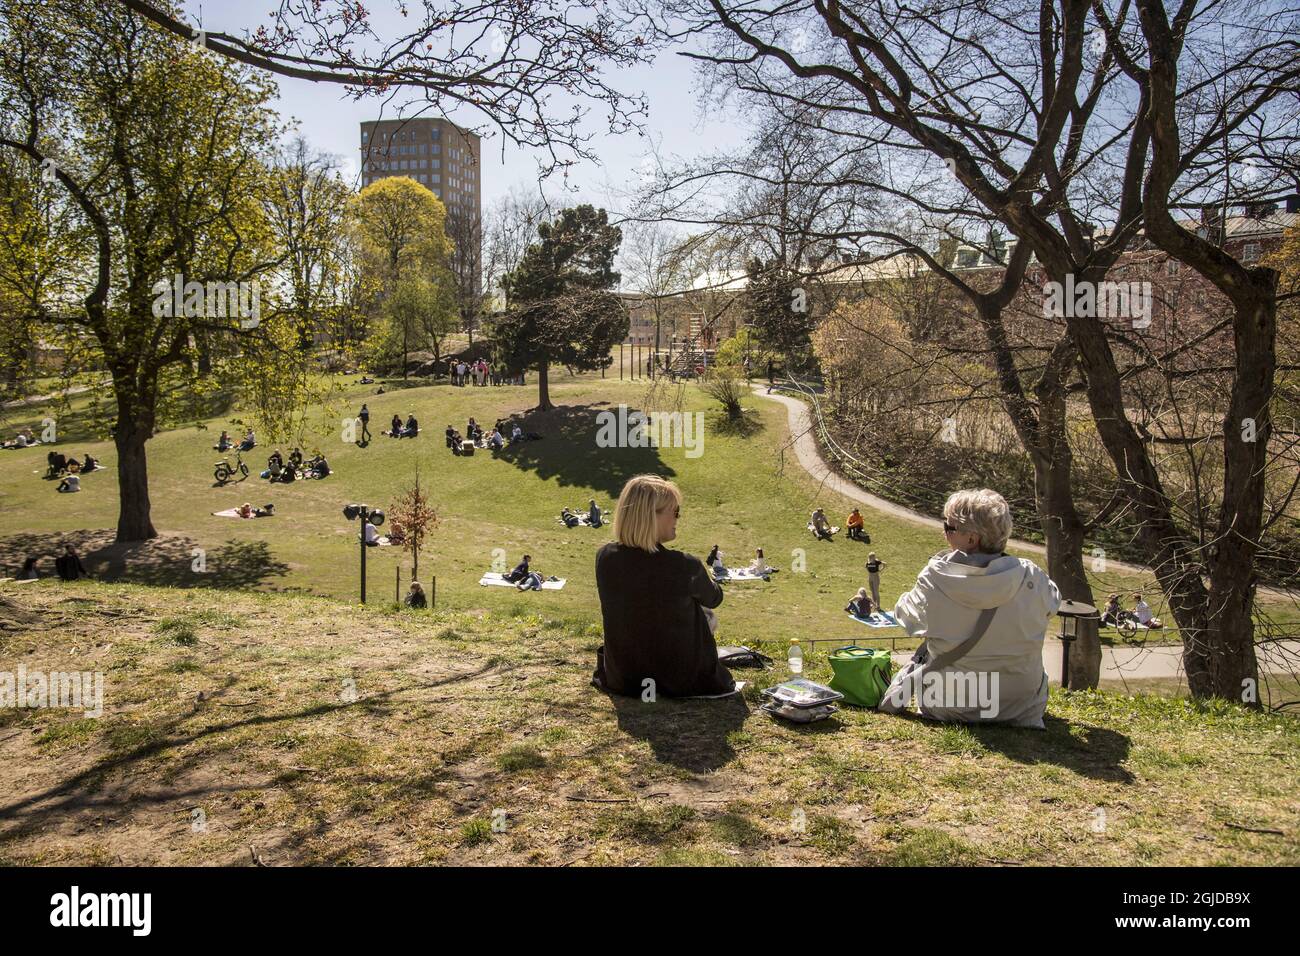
656,604
983,615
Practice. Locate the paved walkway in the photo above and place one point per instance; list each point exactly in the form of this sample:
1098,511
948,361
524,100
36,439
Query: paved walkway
1116,662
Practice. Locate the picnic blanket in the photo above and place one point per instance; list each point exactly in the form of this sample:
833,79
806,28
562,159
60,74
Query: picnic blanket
738,574
877,619
494,579
584,521
234,513
834,529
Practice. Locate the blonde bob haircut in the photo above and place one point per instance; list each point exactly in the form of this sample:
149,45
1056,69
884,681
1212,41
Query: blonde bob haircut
983,512
636,519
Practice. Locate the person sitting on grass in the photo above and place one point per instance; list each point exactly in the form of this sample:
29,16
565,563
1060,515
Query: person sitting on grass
58,464
74,466
855,525
319,467
395,427
759,566
70,484
295,458
90,464
516,433
454,442
861,605
371,535
495,441
273,468
520,571
415,597
984,616
250,440
289,474
1142,612
451,436
821,527
473,431
570,519
714,563
224,443
29,572
656,604
412,428
1110,617
593,514
69,566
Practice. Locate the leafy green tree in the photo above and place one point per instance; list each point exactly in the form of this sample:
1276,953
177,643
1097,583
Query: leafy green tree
159,151
405,255
563,310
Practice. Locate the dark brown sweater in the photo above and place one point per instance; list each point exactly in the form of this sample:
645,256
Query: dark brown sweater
653,609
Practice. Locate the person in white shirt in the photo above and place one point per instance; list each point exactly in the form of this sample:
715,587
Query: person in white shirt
983,615
1142,611
372,535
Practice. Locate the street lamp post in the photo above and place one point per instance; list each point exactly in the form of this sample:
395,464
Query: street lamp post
1070,612
367,516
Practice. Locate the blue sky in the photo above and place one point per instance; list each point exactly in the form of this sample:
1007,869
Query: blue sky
330,120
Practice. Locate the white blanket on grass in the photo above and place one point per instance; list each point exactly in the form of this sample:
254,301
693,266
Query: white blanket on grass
877,619
738,574
492,578
834,530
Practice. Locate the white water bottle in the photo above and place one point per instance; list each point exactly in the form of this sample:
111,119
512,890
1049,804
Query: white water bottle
795,657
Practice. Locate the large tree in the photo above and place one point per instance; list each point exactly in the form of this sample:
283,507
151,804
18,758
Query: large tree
159,150
564,312
1029,121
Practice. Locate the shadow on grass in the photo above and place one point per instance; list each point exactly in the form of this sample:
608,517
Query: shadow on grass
749,423
168,560
1094,752
691,734
568,452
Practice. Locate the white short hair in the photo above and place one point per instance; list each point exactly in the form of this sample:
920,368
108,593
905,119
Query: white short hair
983,512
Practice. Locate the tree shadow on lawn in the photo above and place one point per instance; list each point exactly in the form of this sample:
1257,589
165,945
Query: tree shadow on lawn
166,561
691,734
568,451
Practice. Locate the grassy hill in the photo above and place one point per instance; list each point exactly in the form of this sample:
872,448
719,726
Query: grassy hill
743,492
292,729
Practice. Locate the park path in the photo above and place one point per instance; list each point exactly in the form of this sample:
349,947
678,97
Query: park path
1159,660
803,438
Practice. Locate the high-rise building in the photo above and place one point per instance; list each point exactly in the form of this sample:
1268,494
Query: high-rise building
434,152
440,155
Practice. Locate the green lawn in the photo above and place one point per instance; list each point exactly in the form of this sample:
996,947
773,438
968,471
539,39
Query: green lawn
295,730
741,493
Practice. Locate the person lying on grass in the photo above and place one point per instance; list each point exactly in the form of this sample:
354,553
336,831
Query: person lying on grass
759,565
532,581
983,615
570,519
656,604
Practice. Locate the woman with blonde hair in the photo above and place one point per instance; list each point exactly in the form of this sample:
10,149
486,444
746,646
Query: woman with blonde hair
983,616
656,604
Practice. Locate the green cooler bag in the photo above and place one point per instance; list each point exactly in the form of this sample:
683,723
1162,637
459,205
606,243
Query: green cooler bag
861,674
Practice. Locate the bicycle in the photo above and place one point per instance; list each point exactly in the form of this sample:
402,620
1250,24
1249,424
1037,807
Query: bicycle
224,471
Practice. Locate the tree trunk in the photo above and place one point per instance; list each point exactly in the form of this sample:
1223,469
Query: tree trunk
543,391
134,522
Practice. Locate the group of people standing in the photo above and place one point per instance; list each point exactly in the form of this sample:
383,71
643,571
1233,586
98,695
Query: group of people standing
481,373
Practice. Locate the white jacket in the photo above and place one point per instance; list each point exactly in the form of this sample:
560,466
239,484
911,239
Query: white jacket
1006,663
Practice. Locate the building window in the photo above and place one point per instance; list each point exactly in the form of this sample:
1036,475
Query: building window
1171,267
1250,252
